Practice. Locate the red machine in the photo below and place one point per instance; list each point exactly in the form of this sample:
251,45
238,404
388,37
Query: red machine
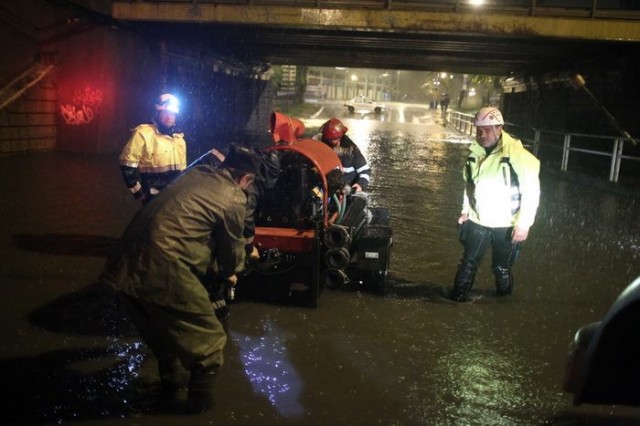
311,232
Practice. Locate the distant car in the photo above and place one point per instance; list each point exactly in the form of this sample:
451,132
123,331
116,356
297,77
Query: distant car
604,359
364,105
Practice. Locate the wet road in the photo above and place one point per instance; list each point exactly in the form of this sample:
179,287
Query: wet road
407,359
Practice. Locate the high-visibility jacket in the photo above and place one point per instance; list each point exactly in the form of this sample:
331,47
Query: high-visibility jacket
503,188
150,160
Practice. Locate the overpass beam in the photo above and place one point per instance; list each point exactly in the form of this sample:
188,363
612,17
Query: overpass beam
381,20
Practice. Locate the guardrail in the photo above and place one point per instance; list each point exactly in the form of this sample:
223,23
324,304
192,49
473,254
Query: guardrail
554,148
593,9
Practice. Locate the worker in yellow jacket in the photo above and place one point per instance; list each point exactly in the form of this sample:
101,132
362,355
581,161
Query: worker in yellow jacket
155,153
501,196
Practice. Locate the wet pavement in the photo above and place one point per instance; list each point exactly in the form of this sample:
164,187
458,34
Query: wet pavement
411,358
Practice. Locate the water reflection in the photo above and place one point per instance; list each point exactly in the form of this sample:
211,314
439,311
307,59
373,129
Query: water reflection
484,386
268,367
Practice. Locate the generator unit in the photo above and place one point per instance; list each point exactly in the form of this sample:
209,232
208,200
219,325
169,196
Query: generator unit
311,231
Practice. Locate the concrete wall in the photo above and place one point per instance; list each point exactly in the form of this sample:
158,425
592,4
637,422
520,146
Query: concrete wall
83,105
551,102
106,79
220,105
29,124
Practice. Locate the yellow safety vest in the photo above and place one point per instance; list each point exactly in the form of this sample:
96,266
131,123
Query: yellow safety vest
152,152
502,188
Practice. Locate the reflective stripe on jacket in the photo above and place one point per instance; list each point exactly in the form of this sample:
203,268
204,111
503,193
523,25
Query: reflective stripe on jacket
354,164
502,188
152,159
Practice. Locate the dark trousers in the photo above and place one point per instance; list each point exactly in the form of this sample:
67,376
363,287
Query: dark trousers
179,337
477,239
197,340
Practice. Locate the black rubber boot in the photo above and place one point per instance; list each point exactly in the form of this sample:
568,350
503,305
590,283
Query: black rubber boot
173,379
201,382
504,281
463,282
173,376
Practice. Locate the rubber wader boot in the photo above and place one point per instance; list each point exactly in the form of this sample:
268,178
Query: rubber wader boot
463,282
172,375
504,281
201,382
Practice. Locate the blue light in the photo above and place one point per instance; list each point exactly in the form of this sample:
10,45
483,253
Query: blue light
268,368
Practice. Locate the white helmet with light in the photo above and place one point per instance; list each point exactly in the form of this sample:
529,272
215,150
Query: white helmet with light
168,102
488,116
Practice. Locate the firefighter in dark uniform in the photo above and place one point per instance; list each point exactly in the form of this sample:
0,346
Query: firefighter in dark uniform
355,168
155,153
501,196
196,223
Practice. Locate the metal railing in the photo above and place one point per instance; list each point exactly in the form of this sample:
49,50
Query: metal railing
557,146
590,9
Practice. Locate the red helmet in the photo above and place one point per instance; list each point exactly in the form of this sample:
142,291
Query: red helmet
333,129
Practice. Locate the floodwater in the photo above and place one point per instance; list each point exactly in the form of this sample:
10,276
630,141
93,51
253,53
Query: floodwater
410,358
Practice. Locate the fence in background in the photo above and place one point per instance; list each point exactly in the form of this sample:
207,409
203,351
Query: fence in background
555,148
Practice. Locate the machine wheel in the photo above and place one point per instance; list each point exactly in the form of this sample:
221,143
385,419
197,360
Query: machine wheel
351,109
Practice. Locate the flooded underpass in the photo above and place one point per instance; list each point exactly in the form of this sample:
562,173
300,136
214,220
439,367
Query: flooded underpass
410,358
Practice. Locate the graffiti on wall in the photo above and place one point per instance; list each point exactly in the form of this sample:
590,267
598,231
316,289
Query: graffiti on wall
84,107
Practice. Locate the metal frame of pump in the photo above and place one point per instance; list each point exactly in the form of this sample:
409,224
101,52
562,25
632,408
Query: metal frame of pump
290,224
308,228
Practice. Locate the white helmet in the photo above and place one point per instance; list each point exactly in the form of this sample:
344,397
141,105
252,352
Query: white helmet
488,116
168,102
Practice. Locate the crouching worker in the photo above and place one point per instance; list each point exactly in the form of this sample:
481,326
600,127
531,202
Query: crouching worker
165,253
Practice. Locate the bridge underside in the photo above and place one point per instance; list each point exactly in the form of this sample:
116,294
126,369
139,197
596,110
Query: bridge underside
491,44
